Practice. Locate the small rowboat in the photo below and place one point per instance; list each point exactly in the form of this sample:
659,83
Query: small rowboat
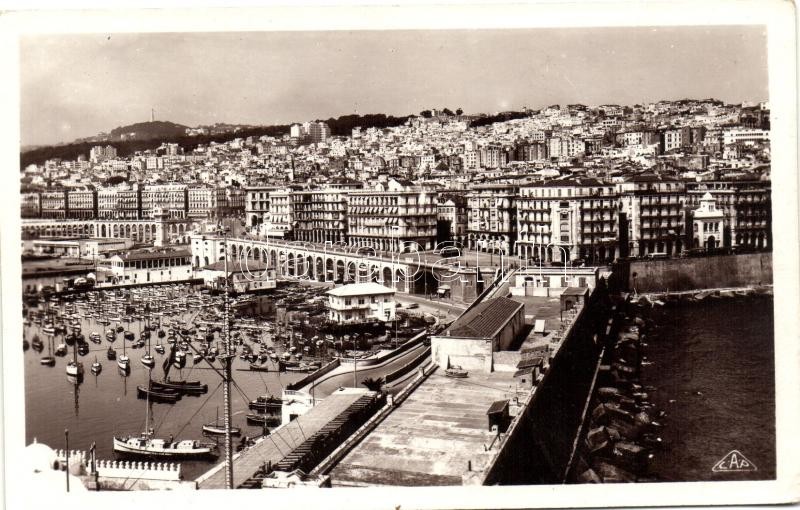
456,372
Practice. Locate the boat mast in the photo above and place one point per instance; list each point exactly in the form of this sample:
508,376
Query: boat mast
226,358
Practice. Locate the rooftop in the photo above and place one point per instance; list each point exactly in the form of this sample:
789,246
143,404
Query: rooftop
360,289
485,319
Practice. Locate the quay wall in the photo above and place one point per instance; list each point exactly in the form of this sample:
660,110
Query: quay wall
538,444
720,271
323,370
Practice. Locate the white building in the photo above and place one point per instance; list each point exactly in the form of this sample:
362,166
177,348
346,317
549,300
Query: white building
143,267
250,276
708,224
360,303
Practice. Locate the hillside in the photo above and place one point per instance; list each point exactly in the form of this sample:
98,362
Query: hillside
158,129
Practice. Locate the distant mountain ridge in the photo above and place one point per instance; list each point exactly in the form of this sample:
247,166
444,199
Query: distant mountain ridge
148,131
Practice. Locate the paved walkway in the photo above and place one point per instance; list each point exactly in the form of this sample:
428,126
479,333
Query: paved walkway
281,442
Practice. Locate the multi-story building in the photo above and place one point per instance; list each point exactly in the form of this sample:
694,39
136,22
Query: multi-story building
82,204
452,219
98,153
318,216
54,204
395,216
491,218
319,132
281,214
123,204
30,205
361,303
747,208
205,202
654,208
173,199
676,138
256,205
741,135
567,219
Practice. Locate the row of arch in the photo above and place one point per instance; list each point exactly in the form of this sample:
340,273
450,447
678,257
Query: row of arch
138,231
317,267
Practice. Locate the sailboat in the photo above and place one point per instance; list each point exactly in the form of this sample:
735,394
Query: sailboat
49,360
147,445
74,367
123,361
148,360
96,366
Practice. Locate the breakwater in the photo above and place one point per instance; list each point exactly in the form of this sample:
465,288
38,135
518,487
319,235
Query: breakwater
718,271
539,442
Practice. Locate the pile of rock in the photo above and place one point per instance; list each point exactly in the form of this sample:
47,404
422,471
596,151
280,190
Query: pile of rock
622,428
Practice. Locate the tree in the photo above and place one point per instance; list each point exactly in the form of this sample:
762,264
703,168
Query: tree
425,114
374,384
459,111
448,112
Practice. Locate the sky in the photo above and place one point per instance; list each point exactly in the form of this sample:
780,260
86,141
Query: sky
78,85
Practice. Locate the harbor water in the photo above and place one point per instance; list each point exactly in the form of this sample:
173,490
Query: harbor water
105,405
712,366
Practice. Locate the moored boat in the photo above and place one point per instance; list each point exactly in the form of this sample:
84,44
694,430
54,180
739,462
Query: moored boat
456,371
266,403
96,367
268,420
162,395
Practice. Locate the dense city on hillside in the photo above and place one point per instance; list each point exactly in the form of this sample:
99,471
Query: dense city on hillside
569,182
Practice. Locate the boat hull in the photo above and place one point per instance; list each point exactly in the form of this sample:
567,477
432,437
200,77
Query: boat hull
121,446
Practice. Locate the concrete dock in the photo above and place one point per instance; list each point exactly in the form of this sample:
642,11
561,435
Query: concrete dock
282,441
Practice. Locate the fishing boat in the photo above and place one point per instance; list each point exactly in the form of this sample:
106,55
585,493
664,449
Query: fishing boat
159,349
147,445
218,429
128,335
111,335
61,350
163,395
111,354
25,345
264,420
456,372
266,403
49,329
95,337
259,368
96,367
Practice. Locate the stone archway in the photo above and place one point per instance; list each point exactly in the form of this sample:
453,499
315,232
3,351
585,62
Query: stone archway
386,277
339,274
319,270
350,272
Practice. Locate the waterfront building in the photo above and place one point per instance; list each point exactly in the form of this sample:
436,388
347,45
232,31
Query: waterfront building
90,248
360,303
82,204
30,205
707,223
473,339
392,216
318,216
54,204
654,208
747,207
170,198
113,203
145,266
204,202
492,218
567,219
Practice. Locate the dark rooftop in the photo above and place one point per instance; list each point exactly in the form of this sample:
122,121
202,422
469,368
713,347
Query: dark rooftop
486,319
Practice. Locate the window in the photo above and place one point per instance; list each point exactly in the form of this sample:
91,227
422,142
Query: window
361,301
347,301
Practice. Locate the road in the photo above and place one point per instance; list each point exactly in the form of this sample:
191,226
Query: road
343,375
